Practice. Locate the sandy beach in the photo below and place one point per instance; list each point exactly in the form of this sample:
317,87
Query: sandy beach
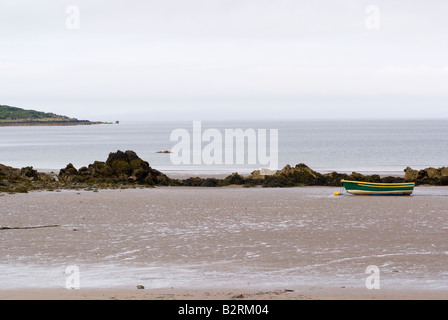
305,293
223,243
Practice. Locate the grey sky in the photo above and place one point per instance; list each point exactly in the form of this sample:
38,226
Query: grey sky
234,59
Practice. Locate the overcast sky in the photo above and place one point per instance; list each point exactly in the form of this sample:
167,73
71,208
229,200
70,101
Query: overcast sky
226,59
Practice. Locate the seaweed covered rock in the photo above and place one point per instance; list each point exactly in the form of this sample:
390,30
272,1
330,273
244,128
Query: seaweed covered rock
392,180
355,176
126,156
120,167
100,169
444,181
192,182
301,174
127,169
209,182
234,178
334,178
22,180
431,176
30,173
410,174
289,176
69,173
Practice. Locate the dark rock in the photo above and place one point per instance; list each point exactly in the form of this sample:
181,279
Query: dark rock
444,181
234,178
392,180
277,182
334,178
209,182
301,174
431,176
421,175
84,171
192,182
355,176
117,156
69,170
29,172
373,178
131,155
119,168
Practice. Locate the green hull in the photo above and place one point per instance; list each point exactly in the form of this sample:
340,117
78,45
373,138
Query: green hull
369,188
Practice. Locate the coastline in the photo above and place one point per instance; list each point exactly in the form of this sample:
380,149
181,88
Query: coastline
50,123
184,174
124,170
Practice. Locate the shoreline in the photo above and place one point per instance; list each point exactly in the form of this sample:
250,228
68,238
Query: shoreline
183,174
127,170
35,123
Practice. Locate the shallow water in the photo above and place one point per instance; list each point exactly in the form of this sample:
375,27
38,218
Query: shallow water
372,146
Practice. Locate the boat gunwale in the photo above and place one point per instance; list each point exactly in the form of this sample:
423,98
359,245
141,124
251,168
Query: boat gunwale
381,183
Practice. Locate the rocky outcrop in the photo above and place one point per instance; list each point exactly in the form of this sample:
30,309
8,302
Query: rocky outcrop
410,174
234,178
293,176
431,176
120,167
302,175
127,169
15,180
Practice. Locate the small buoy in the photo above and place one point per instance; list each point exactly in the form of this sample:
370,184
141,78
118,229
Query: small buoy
337,194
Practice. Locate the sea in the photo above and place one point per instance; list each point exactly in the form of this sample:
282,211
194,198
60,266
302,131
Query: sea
380,146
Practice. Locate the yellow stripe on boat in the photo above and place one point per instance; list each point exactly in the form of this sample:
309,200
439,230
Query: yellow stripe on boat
384,186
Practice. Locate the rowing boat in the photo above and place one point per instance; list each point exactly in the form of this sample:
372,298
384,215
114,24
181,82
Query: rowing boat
371,188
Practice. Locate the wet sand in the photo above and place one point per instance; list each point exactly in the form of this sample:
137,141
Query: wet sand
224,243
305,293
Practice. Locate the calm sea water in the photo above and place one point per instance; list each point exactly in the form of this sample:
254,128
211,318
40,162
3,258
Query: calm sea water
363,146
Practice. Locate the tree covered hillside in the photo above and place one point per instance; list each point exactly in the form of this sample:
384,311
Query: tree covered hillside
14,114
